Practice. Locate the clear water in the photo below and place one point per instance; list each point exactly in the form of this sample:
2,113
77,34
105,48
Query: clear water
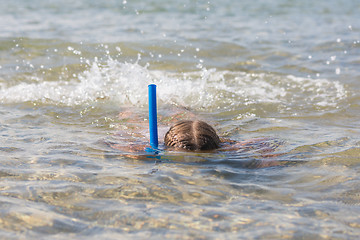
287,71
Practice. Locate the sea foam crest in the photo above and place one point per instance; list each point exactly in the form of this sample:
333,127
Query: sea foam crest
126,84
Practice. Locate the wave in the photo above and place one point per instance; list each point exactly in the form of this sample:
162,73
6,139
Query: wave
126,83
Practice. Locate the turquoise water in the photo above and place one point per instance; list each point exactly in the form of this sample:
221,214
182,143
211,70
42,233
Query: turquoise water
286,72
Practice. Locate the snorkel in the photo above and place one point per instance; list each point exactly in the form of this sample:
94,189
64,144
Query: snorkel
154,143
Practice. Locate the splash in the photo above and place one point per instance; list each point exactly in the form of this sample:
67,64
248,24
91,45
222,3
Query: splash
126,84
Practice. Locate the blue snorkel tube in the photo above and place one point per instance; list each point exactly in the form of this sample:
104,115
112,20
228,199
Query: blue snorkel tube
154,143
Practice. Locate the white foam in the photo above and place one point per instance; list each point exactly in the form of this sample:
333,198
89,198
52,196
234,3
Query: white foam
126,84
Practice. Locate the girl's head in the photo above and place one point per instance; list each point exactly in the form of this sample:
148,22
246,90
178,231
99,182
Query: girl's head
192,135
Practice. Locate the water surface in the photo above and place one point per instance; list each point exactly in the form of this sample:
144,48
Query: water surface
283,71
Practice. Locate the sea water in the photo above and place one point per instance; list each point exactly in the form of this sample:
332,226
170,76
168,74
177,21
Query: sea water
286,71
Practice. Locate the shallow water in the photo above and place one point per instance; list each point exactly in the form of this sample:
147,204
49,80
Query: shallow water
285,71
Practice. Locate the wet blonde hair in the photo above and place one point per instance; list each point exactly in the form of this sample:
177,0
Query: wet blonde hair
192,135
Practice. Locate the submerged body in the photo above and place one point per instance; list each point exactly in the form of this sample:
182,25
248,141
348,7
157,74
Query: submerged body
187,136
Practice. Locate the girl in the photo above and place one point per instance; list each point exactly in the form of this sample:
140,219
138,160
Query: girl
189,136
